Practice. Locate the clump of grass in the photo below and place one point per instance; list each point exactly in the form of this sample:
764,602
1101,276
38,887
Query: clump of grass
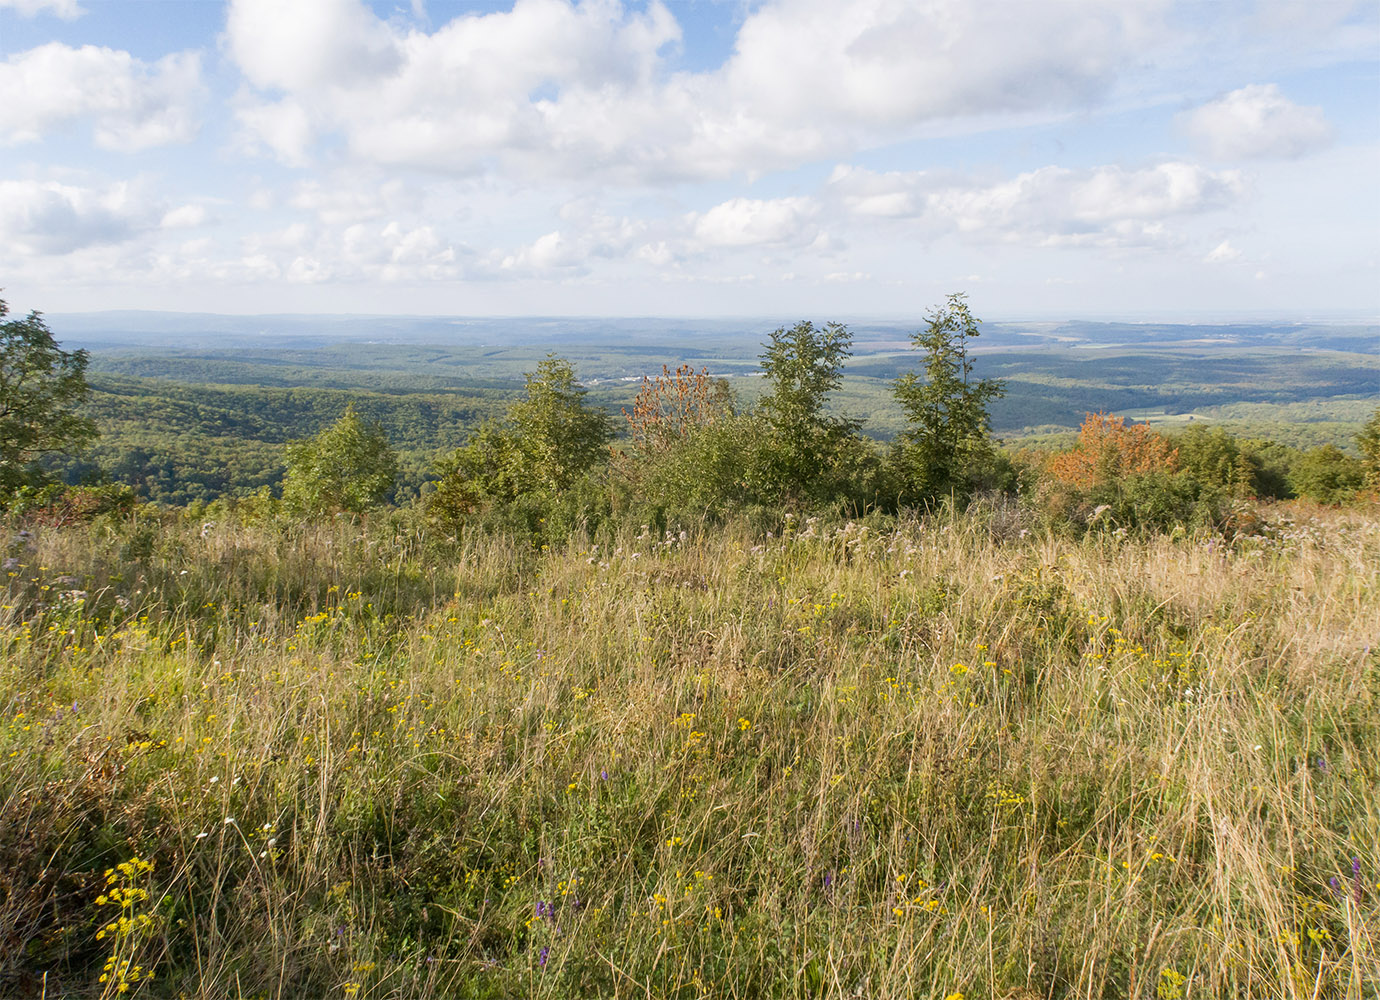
913,760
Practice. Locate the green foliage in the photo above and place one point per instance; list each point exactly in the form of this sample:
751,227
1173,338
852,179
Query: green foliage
517,472
40,385
947,445
559,436
178,443
802,453
1272,462
59,504
1216,462
349,467
1368,441
1327,475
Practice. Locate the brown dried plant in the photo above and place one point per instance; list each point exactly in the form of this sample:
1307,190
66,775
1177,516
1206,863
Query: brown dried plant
671,406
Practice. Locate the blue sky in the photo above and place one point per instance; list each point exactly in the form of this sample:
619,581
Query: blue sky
797,158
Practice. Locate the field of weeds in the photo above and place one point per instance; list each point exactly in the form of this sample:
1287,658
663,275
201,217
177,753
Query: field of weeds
945,757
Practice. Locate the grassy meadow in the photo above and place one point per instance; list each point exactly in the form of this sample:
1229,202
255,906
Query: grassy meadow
944,756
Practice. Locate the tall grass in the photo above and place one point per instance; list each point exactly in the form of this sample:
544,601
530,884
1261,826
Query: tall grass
918,759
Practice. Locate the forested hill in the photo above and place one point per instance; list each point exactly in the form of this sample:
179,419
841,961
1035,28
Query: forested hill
178,443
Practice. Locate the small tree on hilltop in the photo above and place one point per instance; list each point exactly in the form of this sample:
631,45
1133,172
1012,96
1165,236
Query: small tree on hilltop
349,467
801,367
548,441
948,439
40,386
558,435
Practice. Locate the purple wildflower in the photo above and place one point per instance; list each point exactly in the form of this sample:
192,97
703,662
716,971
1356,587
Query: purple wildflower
545,951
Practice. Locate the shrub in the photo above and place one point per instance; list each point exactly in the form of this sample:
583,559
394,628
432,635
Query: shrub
1119,476
541,462
1327,475
1108,451
1368,441
349,467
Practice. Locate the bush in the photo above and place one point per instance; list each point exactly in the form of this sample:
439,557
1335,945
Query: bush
542,463
349,467
1120,476
1327,475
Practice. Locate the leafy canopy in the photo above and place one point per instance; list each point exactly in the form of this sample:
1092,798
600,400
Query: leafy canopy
947,442
800,454
548,441
559,436
348,467
1368,440
40,386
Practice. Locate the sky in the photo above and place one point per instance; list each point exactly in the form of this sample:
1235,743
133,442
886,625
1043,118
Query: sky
1133,159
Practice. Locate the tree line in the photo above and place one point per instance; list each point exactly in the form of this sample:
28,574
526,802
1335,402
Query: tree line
689,453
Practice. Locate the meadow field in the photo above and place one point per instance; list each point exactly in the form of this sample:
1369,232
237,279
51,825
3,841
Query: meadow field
956,755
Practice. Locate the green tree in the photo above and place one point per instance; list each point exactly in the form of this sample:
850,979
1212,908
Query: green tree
517,471
1368,440
558,435
947,446
349,467
799,454
40,386
1327,474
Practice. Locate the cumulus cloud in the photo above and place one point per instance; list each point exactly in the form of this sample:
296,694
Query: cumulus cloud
1256,122
1223,253
752,222
51,218
185,217
312,253
131,104
586,236
68,10
1052,206
554,86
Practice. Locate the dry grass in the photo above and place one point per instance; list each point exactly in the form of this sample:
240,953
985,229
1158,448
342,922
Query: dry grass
926,760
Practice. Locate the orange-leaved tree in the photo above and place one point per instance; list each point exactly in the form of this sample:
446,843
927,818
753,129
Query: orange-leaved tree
1108,451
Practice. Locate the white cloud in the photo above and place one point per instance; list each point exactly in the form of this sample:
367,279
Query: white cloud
68,10
742,222
345,199
552,87
131,104
185,217
283,127
1053,206
1223,253
890,62
1256,122
51,218
587,236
